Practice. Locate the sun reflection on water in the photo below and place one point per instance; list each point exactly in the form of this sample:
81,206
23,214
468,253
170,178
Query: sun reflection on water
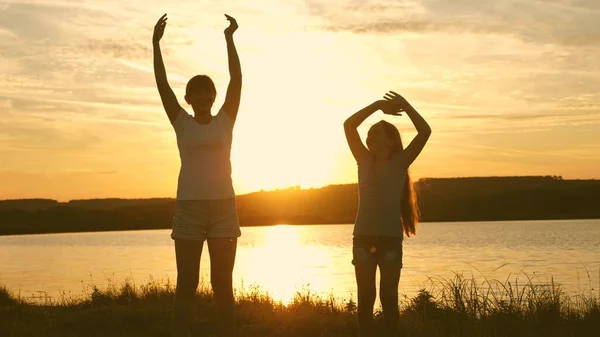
285,264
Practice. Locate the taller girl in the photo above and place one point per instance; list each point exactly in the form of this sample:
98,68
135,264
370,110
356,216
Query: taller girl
206,208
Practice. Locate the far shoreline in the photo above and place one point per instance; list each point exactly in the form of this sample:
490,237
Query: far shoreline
281,224
474,199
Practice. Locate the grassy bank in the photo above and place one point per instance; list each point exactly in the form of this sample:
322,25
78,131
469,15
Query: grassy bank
450,307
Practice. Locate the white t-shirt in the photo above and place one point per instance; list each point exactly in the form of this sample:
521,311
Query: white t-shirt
205,157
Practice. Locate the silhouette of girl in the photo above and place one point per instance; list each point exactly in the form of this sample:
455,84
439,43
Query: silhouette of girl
387,207
206,207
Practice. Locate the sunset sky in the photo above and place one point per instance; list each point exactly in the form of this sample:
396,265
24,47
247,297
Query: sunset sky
508,87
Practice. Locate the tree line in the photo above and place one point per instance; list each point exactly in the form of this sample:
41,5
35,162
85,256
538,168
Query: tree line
439,199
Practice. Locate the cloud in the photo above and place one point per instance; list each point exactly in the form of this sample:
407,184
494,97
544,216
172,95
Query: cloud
5,103
36,22
108,172
574,152
531,116
7,33
531,21
128,49
88,172
582,106
407,27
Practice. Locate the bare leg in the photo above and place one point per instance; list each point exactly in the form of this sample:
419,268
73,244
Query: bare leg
222,259
365,281
187,254
388,294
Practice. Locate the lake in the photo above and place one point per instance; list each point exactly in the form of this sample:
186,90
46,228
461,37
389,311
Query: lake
284,259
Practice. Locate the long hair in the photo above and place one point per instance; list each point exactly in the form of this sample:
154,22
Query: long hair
409,206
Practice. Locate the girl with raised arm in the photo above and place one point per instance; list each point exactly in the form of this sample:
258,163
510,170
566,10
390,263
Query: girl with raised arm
205,208
387,207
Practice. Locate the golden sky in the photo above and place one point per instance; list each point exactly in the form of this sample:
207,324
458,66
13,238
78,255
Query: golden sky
508,87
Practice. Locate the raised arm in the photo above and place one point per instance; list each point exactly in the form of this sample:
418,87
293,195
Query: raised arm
351,124
234,89
412,151
168,98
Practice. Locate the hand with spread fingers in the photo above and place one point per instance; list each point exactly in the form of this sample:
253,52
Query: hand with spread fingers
159,29
233,26
390,108
399,103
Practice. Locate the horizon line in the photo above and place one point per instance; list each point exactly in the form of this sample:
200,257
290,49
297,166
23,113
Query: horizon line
299,187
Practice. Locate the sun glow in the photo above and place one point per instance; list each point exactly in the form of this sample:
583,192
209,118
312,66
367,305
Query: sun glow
278,265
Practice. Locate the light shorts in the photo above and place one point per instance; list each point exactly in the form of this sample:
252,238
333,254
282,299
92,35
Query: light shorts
198,220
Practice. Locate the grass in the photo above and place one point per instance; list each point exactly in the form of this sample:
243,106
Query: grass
457,307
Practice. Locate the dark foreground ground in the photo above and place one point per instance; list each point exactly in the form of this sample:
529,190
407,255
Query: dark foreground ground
458,307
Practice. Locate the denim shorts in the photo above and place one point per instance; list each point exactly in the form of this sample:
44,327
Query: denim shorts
377,250
198,220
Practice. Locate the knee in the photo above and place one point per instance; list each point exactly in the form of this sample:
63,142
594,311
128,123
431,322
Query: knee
389,298
221,282
187,284
389,292
366,297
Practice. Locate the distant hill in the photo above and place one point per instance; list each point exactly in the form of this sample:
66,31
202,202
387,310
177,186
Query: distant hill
27,204
509,198
440,199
